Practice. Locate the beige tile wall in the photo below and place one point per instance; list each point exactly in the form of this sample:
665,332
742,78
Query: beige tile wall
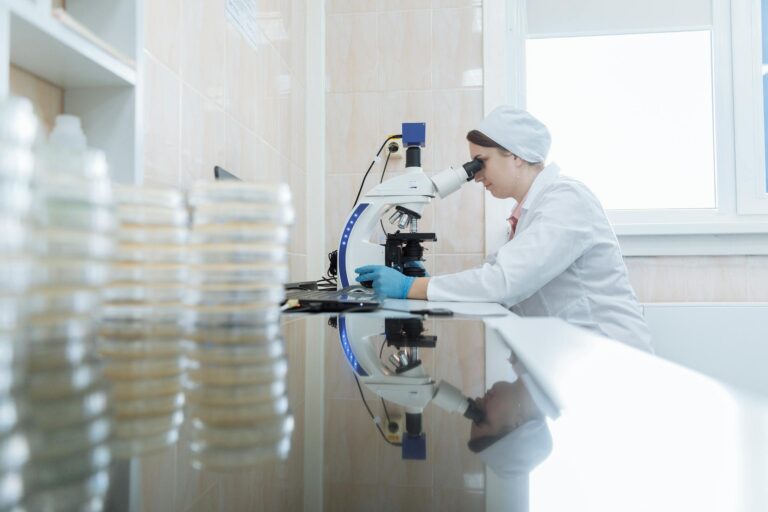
47,98
213,98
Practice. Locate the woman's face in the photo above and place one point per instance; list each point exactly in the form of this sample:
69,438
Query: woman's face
500,172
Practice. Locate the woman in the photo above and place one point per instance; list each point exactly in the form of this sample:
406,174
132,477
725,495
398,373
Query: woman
562,258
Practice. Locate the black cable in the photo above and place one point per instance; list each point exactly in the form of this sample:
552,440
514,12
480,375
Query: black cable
365,403
389,153
391,137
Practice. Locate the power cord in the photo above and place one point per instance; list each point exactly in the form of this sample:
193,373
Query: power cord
375,159
376,421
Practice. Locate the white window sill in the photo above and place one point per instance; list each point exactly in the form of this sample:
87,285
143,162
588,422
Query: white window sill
693,244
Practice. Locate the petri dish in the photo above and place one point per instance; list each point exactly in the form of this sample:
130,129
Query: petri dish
245,353
75,466
132,369
15,237
268,432
230,316
133,292
152,235
138,331
204,456
234,294
13,309
220,191
60,327
53,271
142,349
61,382
130,447
9,413
17,163
227,375
74,216
141,215
148,196
14,451
149,273
136,389
64,187
148,426
18,123
15,274
67,410
44,355
239,213
238,395
158,313
252,415
84,494
237,253
150,406
43,302
143,254
235,335
239,233
69,243
241,273
75,438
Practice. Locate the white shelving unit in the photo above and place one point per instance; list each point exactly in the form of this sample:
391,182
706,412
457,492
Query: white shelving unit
99,68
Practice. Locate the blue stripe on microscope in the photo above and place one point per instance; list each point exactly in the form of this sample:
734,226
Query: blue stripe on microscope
343,243
347,348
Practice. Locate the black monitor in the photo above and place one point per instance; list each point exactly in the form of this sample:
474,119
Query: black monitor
223,174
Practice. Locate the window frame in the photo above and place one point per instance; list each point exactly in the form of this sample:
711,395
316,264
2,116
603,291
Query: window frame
739,223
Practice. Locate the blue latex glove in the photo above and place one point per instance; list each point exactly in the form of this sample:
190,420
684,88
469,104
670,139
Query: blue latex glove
387,281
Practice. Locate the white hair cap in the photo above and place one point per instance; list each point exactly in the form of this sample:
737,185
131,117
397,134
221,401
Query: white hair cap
517,131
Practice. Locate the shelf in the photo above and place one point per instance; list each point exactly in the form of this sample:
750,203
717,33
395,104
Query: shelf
45,47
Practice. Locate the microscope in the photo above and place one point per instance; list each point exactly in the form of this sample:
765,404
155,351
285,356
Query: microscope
403,199
402,379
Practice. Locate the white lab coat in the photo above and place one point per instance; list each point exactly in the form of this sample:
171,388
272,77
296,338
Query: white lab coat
563,261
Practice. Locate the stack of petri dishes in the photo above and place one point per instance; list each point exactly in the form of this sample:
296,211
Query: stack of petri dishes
140,335
237,408
18,127
67,417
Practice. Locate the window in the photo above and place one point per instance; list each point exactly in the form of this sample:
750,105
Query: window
657,105
630,115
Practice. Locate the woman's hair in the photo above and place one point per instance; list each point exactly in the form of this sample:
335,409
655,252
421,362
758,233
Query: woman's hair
482,140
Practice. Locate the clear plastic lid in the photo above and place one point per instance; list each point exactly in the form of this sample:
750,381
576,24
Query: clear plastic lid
255,314
15,198
9,414
240,213
43,302
167,313
18,123
72,215
132,292
72,467
70,272
233,295
56,354
138,215
143,254
269,432
250,353
235,335
84,494
152,235
139,369
136,389
149,426
237,253
67,410
139,331
14,451
227,416
230,375
149,273
74,438
14,274
15,235
237,274
134,446
66,243
150,406
250,233
204,457
52,385
60,327
11,490
148,196
207,394
148,349
13,309
238,191
61,188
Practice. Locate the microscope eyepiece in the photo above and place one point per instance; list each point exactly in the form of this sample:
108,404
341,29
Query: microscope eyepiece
472,168
474,412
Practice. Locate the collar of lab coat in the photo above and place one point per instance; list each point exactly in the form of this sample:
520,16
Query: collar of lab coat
545,178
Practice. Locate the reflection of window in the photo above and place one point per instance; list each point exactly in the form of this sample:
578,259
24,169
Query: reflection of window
631,115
